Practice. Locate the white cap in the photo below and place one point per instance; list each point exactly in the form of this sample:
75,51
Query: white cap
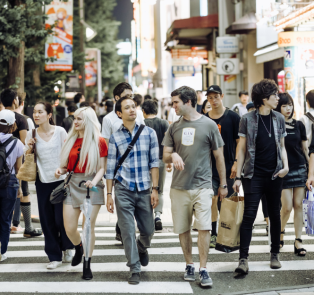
8,116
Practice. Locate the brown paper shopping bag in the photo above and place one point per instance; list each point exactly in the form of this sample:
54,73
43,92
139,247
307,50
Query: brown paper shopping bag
231,216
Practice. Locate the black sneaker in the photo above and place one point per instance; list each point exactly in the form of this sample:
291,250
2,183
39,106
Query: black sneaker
144,257
135,278
158,224
36,232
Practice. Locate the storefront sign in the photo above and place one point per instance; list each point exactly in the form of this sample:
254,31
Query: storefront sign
60,45
186,53
286,39
227,66
227,44
182,68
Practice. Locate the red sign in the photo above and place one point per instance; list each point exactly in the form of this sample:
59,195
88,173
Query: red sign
186,53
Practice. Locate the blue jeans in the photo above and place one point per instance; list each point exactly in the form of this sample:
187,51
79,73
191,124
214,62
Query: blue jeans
8,197
129,205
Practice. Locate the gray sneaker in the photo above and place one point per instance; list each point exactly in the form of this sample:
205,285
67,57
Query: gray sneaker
243,267
274,261
205,279
135,278
213,241
189,273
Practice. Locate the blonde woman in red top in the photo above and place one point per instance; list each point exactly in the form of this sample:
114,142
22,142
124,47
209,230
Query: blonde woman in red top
84,140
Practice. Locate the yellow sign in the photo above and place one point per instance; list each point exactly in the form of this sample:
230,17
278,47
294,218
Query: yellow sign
295,38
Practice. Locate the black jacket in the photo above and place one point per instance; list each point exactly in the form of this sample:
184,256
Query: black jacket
67,123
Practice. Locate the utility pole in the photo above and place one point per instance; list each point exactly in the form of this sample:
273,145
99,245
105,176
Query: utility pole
82,44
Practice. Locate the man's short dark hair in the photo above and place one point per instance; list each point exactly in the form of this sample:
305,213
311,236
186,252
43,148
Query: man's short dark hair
150,107
117,91
186,94
243,92
77,97
7,97
147,96
84,104
285,98
118,107
109,105
72,108
138,99
310,98
263,89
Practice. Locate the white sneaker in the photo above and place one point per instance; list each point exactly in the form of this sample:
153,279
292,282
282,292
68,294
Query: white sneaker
54,264
67,256
3,257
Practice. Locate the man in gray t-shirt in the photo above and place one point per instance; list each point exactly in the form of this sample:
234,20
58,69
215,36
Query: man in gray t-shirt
188,144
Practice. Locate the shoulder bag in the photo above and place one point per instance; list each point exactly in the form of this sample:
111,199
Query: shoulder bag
60,193
130,147
28,170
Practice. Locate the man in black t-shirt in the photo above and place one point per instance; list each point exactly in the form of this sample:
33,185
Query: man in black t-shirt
68,121
228,125
150,110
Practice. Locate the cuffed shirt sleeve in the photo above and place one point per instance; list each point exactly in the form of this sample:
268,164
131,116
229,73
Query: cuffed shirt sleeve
112,158
153,151
243,127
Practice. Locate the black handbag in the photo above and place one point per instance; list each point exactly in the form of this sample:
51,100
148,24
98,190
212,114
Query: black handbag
60,193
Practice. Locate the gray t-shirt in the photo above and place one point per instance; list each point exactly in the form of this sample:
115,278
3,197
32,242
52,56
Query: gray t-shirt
193,141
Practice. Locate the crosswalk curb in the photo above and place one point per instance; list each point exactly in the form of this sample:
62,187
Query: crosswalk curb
278,289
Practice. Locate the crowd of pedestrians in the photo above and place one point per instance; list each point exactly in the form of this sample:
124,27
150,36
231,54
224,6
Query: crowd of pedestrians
125,153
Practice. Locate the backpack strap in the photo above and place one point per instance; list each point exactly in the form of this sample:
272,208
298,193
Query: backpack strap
12,147
310,116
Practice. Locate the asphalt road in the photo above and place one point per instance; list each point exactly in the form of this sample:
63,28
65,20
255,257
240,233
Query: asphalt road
24,272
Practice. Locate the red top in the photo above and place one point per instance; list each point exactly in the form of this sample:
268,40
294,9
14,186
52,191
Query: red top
103,151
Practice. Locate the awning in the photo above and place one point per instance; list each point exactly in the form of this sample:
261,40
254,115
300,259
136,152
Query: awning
243,25
269,53
192,31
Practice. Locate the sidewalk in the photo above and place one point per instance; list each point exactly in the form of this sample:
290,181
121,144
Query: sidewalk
304,290
107,219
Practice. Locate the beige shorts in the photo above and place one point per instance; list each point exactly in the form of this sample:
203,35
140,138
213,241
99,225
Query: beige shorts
186,203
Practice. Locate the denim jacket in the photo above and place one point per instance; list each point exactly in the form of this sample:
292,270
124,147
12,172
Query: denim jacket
248,128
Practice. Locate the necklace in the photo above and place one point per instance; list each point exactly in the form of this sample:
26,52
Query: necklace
269,132
292,124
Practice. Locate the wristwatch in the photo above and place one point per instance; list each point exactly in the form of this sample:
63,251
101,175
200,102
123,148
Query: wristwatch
237,178
223,186
156,188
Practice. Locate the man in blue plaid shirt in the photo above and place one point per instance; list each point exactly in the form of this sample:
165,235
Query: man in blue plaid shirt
133,194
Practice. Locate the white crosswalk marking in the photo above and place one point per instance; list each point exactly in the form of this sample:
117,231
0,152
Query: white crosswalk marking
164,273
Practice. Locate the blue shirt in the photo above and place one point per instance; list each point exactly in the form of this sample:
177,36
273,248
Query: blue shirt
134,172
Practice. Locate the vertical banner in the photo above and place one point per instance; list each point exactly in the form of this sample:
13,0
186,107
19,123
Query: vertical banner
60,44
93,70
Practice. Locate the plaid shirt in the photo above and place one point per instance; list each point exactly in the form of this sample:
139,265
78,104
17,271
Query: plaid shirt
134,172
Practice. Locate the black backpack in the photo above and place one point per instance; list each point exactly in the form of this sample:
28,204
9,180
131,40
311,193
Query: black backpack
5,172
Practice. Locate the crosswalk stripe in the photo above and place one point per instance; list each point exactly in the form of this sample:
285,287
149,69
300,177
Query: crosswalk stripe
254,249
154,241
111,235
96,287
263,231
156,267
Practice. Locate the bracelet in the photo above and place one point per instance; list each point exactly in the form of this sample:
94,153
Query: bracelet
237,178
109,193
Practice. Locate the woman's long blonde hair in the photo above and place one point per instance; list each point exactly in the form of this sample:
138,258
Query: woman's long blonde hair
90,145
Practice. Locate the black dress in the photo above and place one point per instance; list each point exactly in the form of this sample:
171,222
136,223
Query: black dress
297,175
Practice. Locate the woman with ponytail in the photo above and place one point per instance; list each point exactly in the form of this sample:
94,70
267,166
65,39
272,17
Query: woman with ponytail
49,141
88,149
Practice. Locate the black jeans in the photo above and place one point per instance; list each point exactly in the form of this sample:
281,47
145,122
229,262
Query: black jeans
253,191
51,219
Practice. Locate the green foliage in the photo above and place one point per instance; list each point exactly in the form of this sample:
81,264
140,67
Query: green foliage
25,22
